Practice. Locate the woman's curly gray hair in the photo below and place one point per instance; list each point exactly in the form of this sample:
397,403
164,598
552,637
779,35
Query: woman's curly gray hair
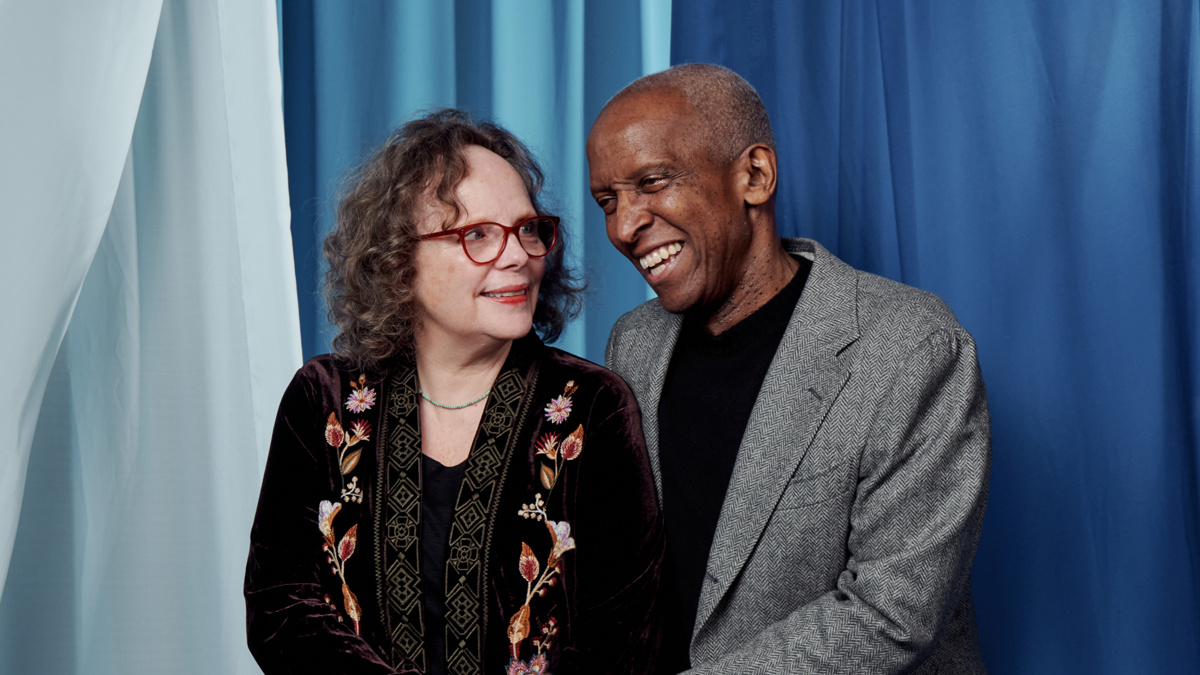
371,251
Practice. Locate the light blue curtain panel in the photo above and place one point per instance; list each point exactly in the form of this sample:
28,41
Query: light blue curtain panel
153,325
1035,164
353,72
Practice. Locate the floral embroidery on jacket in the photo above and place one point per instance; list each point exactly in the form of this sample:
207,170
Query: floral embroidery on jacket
360,430
337,555
361,396
559,409
338,552
535,666
555,450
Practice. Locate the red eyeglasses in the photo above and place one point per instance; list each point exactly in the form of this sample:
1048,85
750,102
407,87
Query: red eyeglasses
484,242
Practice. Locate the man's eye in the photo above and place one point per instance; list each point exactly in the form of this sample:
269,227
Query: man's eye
652,183
608,204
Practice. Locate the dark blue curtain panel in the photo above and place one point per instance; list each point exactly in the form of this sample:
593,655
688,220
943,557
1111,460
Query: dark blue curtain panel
1035,164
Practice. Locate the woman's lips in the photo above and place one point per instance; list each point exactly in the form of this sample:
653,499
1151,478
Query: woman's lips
509,295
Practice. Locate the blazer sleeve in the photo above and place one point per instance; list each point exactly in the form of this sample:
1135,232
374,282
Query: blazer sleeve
289,625
914,525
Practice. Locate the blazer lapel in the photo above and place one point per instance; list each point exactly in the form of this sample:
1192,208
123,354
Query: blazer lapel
654,355
804,379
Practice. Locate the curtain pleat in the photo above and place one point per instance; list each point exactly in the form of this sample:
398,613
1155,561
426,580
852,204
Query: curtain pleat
147,455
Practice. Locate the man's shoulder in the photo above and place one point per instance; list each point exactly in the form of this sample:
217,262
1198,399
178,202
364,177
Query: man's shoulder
883,308
649,315
637,333
647,321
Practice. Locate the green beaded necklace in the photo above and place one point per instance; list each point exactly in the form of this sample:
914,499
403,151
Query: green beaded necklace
453,407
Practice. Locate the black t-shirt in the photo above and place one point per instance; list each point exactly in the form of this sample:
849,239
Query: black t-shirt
439,492
707,398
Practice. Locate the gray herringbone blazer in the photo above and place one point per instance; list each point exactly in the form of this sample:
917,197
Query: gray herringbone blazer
847,534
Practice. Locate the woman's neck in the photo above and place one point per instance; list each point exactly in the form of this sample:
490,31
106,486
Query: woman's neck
452,373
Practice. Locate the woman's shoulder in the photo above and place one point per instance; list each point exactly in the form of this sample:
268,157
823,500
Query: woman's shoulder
331,368
328,375
586,374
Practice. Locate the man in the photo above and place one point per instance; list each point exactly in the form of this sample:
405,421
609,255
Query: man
819,435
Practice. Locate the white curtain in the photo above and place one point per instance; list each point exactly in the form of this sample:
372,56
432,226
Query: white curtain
149,327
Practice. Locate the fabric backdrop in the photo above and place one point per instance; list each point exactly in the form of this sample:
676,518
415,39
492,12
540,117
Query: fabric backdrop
1035,164
1032,163
353,72
142,173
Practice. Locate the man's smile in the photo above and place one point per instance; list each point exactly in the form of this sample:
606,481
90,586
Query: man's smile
655,262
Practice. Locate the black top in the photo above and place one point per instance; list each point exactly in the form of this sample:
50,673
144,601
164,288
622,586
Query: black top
439,493
707,397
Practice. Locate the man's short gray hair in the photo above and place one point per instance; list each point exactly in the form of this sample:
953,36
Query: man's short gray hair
731,113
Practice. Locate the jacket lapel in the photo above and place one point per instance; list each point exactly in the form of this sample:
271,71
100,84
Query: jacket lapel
649,384
804,379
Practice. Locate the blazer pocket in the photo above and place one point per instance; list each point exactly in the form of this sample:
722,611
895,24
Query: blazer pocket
814,488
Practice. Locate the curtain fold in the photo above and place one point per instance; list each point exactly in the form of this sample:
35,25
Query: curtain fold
71,83
1035,165
147,455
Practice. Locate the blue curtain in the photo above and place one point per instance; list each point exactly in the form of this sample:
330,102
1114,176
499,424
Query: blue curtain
1035,164
355,71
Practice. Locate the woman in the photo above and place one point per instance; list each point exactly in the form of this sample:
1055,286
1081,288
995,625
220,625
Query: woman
445,493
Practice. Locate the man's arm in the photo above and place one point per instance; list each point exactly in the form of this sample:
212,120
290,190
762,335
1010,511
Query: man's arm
914,525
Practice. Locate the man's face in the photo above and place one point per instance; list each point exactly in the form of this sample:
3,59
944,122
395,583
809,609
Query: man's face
673,210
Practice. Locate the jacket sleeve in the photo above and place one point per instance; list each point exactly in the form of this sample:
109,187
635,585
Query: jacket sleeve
290,625
914,525
620,545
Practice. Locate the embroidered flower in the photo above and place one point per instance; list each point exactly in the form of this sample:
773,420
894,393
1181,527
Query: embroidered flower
558,409
535,666
352,608
360,400
547,445
334,435
529,563
518,626
325,515
360,430
572,445
560,533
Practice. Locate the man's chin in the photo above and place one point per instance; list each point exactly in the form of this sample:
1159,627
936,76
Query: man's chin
675,303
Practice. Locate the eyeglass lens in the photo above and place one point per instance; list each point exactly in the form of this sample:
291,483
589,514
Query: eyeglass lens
484,241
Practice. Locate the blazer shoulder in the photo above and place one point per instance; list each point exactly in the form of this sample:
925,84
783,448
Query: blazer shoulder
637,331
894,311
646,317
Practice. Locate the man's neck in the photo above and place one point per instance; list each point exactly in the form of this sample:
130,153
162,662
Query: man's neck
767,273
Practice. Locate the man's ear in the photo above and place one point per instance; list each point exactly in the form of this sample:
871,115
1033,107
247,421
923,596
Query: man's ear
758,172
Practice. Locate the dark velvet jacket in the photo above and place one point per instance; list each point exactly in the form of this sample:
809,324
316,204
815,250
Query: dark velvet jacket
555,549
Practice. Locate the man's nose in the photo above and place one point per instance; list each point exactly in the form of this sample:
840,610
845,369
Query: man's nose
629,219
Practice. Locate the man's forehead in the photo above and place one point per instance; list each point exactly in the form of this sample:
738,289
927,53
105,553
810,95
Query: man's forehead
658,103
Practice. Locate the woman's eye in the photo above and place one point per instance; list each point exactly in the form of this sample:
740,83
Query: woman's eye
474,234
528,228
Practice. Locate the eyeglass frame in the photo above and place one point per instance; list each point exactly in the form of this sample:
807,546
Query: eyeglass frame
508,231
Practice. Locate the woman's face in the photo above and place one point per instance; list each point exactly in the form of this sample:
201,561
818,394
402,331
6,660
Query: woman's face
461,302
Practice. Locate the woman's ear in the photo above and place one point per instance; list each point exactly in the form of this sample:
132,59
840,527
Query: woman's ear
759,173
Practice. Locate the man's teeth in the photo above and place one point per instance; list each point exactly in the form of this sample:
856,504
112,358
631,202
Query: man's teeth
509,294
655,257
